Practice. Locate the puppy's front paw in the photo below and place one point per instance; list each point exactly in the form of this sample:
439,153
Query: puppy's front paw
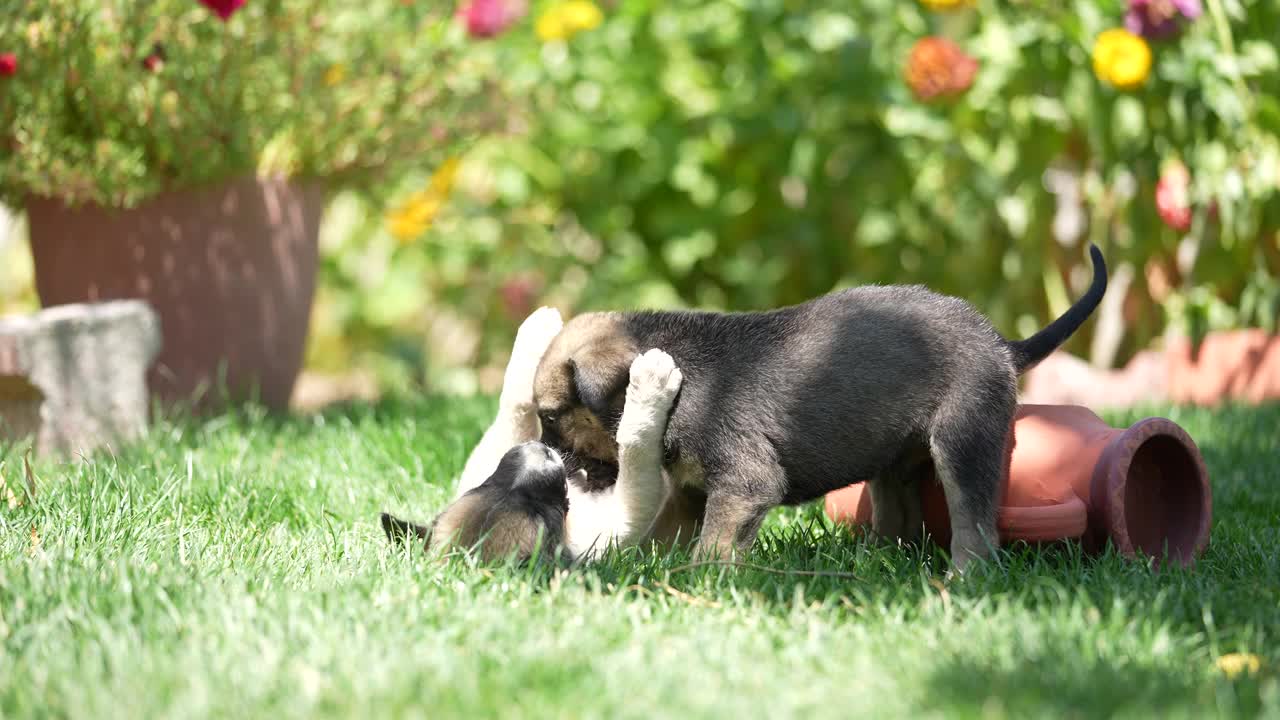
655,382
532,340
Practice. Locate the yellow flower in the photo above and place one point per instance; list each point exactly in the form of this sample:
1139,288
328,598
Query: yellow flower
405,226
945,5
415,215
564,20
582,15
335,74
35,33
169,103
1121,59
442,179
1234,665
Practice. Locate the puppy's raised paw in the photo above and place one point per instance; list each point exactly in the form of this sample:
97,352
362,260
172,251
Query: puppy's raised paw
655,382
532,340
537,331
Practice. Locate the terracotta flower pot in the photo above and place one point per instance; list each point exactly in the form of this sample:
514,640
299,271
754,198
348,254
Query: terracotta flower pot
230,269
1238,365
1072,476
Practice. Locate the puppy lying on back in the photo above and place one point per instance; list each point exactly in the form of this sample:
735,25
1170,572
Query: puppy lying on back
784,406
516,497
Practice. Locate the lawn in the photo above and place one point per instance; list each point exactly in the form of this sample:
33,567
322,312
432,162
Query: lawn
235,568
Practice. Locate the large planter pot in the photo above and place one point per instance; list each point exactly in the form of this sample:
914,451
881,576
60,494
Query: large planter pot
230,269
1144,489
1236,365
1240,366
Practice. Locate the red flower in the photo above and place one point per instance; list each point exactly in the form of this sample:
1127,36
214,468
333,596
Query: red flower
486,18
155,60
224,8
518,295
938,69
1173,200
8,64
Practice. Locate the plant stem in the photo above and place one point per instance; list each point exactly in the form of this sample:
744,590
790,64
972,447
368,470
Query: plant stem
1223,27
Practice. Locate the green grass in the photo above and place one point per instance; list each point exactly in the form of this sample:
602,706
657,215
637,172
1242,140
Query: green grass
235,568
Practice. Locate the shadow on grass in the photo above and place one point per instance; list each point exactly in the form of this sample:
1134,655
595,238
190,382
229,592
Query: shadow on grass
1055,681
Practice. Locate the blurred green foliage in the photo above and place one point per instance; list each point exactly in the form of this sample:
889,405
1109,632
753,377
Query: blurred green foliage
727,154
744,154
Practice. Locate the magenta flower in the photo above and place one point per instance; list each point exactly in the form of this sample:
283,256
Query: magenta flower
1158,19
1173,197
8,64
224,8
486,18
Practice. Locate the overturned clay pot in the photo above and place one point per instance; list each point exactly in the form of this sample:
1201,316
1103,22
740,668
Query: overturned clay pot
1144,488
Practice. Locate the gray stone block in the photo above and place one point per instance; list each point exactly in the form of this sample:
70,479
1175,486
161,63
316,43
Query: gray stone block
74,377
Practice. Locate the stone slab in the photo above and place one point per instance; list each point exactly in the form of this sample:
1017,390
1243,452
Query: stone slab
73,377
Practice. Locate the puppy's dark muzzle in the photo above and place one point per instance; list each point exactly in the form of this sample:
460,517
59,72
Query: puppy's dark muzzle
600,474
551,437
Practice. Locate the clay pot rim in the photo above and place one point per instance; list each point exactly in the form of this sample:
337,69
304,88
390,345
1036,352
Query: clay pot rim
1110,476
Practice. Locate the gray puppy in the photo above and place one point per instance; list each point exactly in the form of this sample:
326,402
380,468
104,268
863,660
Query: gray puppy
781,407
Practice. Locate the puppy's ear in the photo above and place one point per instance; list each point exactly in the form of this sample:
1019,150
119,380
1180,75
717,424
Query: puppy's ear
600,379
398,530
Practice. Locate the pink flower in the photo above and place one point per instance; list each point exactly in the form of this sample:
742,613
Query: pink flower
1173,197
486,18
8,64
1157,19
518,295
224,8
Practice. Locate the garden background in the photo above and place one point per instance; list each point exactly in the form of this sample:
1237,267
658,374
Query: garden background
484,158
722,154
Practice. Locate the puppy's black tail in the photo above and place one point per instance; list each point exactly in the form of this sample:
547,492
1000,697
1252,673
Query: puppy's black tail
1027,353
398,530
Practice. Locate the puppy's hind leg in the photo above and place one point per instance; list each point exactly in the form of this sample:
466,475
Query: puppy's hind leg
969,445
895,503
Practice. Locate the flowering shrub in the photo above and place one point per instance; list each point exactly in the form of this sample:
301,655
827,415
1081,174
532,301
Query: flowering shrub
691,152
729,155
116,101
